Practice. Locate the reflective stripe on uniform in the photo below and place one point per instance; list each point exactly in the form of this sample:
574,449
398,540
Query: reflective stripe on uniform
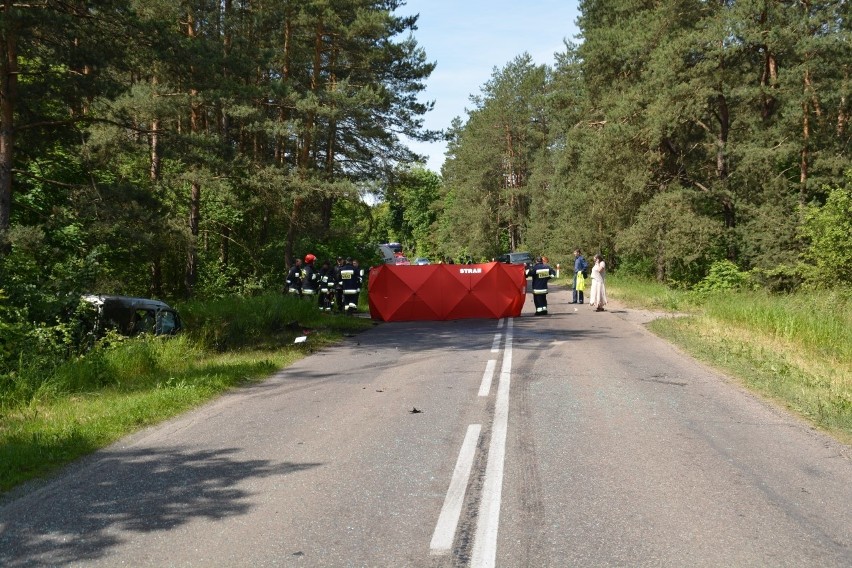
540,291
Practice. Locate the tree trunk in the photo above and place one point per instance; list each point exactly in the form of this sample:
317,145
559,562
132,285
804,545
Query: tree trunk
722,171
157,277
807,98
156,158
304,163
8,99
769,77
224,248
330,149
283,114
191,276
291,231
722,140
154,142
806,138
154,175
805,154
842,115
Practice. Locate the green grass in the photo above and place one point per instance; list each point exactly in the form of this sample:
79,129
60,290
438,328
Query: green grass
647,294
795,349
126,384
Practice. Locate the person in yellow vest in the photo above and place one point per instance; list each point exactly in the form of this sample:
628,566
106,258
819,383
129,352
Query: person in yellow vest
579,285
581,268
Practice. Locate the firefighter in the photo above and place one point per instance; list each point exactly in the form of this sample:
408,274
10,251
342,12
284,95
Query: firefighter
326,287
362,275
338,285
294,278
310,279
350,284
540,272
360,272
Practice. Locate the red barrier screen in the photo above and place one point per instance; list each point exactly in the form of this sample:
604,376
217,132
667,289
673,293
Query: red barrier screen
446,291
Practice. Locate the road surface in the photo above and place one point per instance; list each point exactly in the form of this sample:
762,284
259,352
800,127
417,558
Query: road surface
577,439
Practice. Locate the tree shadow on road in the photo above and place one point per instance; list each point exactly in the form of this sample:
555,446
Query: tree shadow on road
103,501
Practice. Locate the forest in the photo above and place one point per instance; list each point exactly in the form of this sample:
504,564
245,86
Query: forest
192,149
674,136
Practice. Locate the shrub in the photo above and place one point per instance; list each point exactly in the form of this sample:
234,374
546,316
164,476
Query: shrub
671,230
723,275
828,258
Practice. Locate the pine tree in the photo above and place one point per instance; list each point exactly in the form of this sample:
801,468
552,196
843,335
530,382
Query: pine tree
491,160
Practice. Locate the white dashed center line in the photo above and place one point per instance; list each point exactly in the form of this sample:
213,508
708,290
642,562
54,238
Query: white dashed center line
448,520
485,542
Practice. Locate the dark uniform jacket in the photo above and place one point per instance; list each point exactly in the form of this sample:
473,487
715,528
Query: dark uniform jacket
294,279
325,277
310,280
349,279
540,274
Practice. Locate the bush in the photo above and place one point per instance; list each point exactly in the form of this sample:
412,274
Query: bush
828,258
671,230
723,275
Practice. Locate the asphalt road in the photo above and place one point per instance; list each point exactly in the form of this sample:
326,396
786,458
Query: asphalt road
577,439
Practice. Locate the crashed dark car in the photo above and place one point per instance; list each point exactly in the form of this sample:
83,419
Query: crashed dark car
515,258
131,316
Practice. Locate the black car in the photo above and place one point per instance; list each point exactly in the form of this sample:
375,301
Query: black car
130,316
515,258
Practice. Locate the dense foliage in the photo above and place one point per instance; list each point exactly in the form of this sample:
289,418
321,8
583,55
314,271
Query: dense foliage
165,147
192,148
676,135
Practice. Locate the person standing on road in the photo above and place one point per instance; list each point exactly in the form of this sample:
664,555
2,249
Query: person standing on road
540,272
294,278
597,299
350,284
580,267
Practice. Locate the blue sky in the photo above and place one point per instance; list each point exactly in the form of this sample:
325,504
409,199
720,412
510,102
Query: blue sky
469,38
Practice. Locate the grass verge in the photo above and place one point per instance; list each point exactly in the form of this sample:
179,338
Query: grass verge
794,349
126,384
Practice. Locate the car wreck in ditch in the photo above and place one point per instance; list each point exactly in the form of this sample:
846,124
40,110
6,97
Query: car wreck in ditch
131,316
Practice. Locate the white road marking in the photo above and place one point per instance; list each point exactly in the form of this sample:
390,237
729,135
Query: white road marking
485,541
448,520
487,377
495,345
500,323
